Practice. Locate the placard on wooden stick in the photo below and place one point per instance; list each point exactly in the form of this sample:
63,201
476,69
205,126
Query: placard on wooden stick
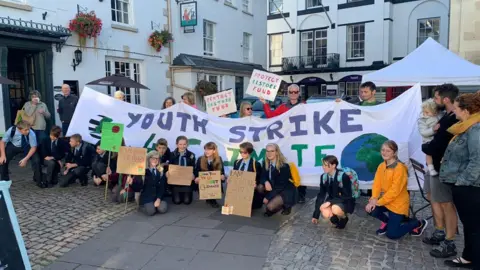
221,103
210,185
132,160
238,200
180,175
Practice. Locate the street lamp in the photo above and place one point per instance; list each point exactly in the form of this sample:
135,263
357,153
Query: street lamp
78,59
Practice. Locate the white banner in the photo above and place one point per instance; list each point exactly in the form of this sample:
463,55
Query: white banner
305,134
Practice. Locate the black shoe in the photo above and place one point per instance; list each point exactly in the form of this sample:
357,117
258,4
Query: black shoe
287,211
84,183
457,263
42,184
301,200
334,220
342,223
436,238
446,249
268,214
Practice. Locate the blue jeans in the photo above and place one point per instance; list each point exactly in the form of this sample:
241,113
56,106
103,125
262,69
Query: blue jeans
396,228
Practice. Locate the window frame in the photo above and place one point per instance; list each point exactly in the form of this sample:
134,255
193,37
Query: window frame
208,38
247,47
307,2
423,38
246,6
314,39
349,44
133,96
270,50
270,6
129,12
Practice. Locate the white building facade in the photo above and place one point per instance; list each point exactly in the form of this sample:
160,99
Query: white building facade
326,46
228,40
37,50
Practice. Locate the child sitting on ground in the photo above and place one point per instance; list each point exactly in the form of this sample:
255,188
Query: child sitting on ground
335,198
426,126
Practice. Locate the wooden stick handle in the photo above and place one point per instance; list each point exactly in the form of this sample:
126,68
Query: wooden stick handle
108,176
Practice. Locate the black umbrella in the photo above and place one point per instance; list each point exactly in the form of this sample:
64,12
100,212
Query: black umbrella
4,80
118,80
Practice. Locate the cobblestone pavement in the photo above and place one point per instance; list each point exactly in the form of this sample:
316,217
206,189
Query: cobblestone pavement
302,245
54,221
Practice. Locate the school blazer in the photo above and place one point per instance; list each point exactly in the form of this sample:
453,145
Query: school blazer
258,168
58,153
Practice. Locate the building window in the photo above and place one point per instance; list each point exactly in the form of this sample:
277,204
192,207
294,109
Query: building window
351,88
275,6
428,28
276,49
247,41
356,41
120,11
208,37
313,47
215,79
313,3
130,69
246,6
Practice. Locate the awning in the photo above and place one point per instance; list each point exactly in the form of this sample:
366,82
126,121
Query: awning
199,62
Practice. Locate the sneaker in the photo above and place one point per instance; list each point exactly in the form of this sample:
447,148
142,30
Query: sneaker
433,172
436,238
420,229
458,263
383,229
342,223
446,249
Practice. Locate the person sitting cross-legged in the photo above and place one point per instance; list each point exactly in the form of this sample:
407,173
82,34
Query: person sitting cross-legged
152,187
391,180
78,162
335,199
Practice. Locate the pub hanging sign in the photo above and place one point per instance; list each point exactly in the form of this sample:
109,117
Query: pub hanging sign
188,14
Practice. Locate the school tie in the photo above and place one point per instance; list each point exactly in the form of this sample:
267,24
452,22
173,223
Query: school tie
25,145
54,146
182,161
154,172
270,171
242,168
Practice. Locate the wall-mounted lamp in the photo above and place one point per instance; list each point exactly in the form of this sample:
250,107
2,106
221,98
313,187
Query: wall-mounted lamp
331,76
78,59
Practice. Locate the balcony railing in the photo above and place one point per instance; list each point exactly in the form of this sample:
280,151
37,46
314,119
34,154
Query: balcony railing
317,62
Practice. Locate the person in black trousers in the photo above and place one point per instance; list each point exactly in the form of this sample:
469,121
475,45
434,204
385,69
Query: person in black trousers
182,157
100,169
210,161
52,151
66,107
279,190
152,187
248,164
78,162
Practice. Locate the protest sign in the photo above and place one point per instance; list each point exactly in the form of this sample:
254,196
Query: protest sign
239,195
131,160
210,185
221,103
180,175
112,135
264,85
305,133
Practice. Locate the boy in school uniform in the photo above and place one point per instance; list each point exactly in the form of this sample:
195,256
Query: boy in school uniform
20,139
100,168
78,162
52,151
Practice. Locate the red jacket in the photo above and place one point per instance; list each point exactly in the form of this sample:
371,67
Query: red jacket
279,110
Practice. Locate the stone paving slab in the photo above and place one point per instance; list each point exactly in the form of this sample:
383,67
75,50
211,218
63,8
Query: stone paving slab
172,258
213,260
244,244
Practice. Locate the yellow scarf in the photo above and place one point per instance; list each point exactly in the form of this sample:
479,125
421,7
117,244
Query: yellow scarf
462,127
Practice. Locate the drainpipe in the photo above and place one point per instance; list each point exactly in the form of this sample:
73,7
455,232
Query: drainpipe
170,48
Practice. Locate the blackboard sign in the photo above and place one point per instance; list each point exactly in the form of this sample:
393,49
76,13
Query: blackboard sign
10,250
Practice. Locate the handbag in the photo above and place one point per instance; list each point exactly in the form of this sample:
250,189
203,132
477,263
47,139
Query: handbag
21,115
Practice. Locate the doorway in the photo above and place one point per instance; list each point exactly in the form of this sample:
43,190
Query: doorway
21,69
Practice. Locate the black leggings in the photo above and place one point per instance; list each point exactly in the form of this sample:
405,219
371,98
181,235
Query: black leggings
275,204
179,197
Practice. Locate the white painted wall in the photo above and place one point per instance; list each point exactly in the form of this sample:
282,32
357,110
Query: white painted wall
384,40
153,71
230,24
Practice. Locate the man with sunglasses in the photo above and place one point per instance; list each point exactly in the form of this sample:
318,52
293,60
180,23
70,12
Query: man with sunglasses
293,100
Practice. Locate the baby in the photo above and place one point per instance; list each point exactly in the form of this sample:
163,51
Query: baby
426,124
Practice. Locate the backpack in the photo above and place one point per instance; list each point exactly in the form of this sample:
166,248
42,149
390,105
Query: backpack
296,180
353,178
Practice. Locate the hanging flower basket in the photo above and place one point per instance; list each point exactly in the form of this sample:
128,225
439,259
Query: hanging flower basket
205,88
160,39
86,25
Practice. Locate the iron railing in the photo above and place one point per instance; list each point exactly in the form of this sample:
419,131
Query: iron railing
315,62
53,30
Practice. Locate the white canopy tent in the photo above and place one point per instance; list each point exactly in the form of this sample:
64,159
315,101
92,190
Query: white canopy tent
430,64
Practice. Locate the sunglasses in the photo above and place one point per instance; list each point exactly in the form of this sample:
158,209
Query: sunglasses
243,152
248,109
293,92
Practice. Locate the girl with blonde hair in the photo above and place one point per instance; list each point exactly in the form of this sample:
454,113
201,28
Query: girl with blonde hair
245,109
189,99
210,161
279,190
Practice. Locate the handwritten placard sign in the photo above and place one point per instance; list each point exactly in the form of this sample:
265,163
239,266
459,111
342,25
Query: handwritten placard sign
132,160
238,200
112,135
210,185
180,175
221,103
264,85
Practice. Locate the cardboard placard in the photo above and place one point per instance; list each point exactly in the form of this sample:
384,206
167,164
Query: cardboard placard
180,175
264,85
112,135
210,185
238,200
221,103
131,160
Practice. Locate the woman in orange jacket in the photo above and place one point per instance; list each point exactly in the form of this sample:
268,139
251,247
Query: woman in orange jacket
390,195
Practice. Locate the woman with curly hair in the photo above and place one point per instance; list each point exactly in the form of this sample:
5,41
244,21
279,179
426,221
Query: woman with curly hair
210,161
